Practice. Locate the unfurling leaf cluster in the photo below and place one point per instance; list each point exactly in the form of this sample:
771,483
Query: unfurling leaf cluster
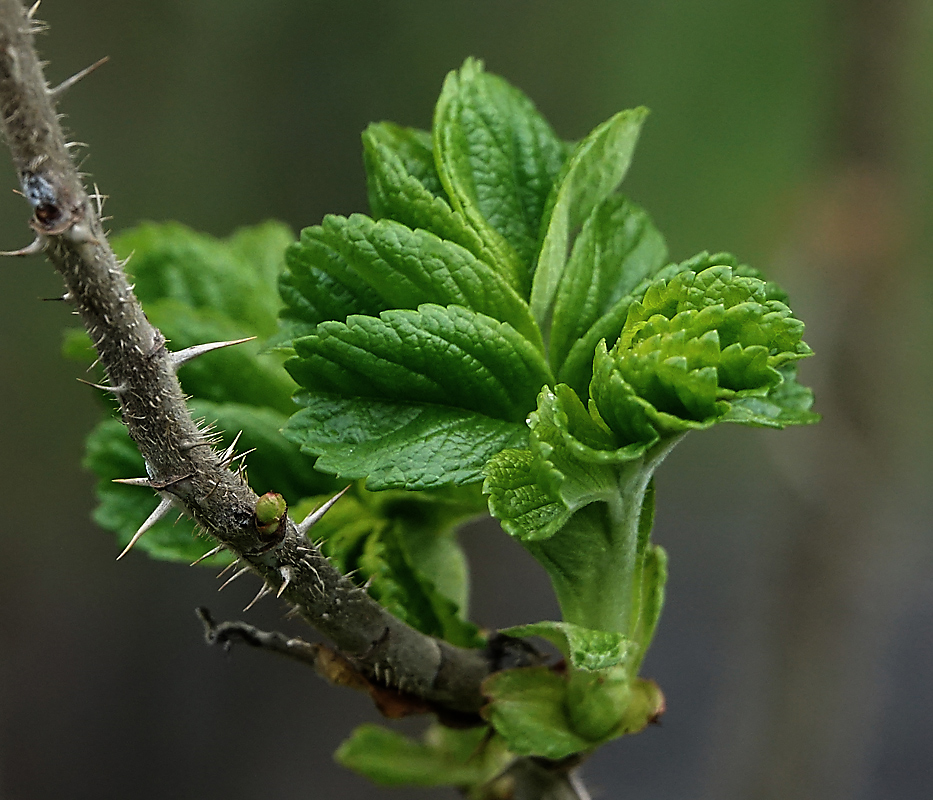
506,323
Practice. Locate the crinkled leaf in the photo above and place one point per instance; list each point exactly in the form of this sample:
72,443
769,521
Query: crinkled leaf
447,356
404,186
583,648
618,248
592,173
497,158
445,757
788,404
572,460
399,445
690,345
406,268
320,285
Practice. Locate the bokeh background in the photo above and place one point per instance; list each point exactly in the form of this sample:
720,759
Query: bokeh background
796,649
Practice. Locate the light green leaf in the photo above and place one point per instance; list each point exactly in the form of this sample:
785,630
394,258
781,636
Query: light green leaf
528,709
583,648
399,445
445,757
593,172
497,158
618,248
445,356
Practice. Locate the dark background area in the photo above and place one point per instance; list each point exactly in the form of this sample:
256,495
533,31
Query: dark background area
796,647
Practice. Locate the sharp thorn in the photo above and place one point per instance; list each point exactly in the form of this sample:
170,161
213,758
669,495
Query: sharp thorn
262,593
147,482
180,357
207,555
161,510
234,576
228,453
33,249
66,84
32,11
227,568
114,389
305,525
286,574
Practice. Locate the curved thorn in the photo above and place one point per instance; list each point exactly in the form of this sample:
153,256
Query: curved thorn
208,554
161,510
305,525
286,574
227,568
114,389
32,249
147,482
262,593
180,357
234,576
66,84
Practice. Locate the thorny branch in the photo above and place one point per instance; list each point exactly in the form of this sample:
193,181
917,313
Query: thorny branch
404,670
184,469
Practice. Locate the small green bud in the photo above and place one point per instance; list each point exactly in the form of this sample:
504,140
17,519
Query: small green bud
270,509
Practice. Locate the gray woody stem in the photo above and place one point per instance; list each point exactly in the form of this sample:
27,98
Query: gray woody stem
141,371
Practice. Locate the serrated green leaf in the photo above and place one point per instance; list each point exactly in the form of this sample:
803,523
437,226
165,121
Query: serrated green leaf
320,285
403,187
617,248
445,757
592,173
399,445
497,158
583,648
445,356
413,148
406,268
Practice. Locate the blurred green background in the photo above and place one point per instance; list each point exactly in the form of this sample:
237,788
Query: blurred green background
797,645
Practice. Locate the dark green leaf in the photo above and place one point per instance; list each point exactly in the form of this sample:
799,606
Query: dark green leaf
399,445
406,268
446,356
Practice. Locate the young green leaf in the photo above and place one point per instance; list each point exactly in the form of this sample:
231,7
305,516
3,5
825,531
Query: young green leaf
583,648
617,248
497,158
528,708
445,757
593,172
